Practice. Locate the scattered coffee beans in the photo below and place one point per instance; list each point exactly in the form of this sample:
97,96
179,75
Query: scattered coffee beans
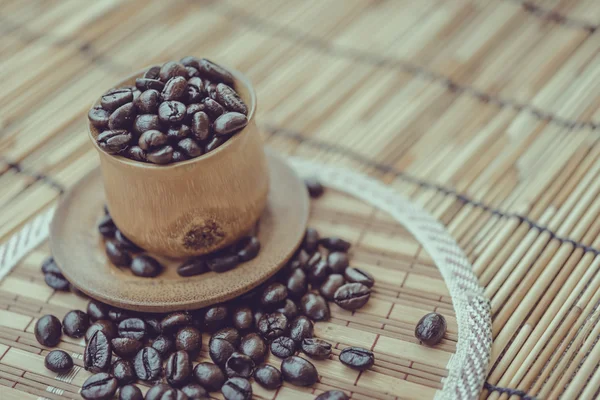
254,347
268,377
271,326
299,371
352,296
48,330
357,358
58,361
356,275
75,323
300,329
431,329
315,307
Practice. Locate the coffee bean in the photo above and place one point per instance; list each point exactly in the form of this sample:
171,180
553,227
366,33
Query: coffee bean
313,261
75,323
209,376
338,262
178,156
230,334
213,108
357,358
162,155
108,328
190,61
213,143
316,348
171,112
97,310
193,266
176,133
176,88
48,330
356,275
126,347
58,361
248,248
153,324
222,262
122,117
98,117
289,309
331,285
352,296
133,328
106,226
220,350
215,317
190,148
191,110
148,102
314,187
195,392
334,244
230,99
200,123
49,266
239,364
174,321
274,295
157,391
57,281
117,255
311,240
299,260
153,72
213,71
237,388
315,307
297,283
118,314
123,371
318,272
152,139
268,377
431,328
164,344
130,392
299,371
136,153
283,347
148,364
229,122
100,386
178,368
333,395
114,141
98,353
189,339
254,347
193,93
243,319
145,266
300,329
145,84
115,98
172,69
146,122
273,325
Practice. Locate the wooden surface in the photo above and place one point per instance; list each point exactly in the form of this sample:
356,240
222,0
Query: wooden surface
486,113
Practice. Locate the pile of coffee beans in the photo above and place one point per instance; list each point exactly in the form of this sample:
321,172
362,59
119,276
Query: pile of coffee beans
175,112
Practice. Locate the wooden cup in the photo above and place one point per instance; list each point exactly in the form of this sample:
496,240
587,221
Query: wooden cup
192,207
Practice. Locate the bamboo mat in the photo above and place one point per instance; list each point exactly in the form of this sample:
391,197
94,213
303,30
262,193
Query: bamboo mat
484,112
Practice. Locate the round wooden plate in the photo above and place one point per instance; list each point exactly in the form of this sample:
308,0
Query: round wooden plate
78,249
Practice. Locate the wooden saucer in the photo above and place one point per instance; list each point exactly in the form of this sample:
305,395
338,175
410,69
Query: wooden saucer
78,249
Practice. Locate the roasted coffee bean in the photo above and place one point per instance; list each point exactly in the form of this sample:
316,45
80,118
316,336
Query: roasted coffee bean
213,71
123,371
189,339
230,99
289,309
49,266
248,248
98,117
193,266
172,69
148,102
357,358
126,347
75,323
243,319
300,329
195,392
191,110
117,254
283,347
314,187
352,296
271,326
157,391
338,262
174,321
162,155
311,240
108,328
57,281
48,330
268,377
130,392
230,334
190,147
97,310
146,122
58,361
237,388
115,98
220,350
297,283
153,72
331,285
356,275
176,88
145,266
114,141
213,108
209,376
333,395
215,317
229,122
136,153
198,83
193,94
318,272
299,371
106,226
98,353
148,364
315,307
145,84
171,112
316,348
334,244
273,296
313,261
152,139
125,242
178,132
300,260
178,156
178,368
239,364
164,344
153,324
133,328
254,347
122,117
118,314
100,386
215,142
431,328
211,90
222,262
